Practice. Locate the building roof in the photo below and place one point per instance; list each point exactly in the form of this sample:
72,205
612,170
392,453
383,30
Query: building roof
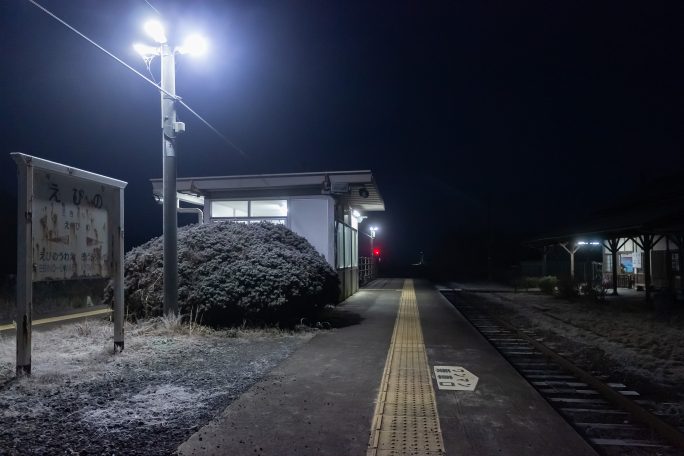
357,188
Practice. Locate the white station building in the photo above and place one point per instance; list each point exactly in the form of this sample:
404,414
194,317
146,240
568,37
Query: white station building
323,207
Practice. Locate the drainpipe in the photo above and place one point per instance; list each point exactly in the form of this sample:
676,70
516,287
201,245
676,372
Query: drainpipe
191,210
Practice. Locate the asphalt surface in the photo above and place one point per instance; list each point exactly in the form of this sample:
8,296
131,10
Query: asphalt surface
320,401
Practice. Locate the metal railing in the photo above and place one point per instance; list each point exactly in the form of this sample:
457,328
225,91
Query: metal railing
367,270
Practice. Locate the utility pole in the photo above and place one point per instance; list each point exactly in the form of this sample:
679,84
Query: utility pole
194,45
169,130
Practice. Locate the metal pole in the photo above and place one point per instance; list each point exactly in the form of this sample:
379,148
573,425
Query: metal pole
614,258
372,256
168,83
118,266
24,304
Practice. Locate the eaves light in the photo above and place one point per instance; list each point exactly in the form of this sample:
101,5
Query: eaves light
155,30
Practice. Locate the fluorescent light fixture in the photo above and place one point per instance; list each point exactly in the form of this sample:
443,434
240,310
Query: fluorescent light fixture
581,243
356,213
595,243
155,29
145,51
194,45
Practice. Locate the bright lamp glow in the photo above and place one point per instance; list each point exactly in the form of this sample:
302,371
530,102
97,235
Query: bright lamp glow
156,31
145,51
194,45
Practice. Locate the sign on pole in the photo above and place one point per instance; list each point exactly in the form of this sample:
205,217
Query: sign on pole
69,226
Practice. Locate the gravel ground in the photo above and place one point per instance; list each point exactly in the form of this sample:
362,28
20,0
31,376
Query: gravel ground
170,380
625,340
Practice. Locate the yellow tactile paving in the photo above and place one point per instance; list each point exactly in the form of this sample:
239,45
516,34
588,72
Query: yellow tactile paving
406,420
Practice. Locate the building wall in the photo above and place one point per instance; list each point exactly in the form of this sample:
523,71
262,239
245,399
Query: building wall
632,255
312,218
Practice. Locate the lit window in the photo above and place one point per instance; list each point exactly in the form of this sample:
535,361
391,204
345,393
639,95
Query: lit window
229,209
269,208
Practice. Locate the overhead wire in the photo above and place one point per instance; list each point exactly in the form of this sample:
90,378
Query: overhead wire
138,73
155,9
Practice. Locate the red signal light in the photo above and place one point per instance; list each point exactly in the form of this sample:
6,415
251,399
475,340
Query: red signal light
376,252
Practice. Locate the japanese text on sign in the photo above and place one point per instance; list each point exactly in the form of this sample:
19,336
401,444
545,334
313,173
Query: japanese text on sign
70,228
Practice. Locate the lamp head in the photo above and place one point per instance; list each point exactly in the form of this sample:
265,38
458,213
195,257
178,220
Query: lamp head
195,45
145,51
155,30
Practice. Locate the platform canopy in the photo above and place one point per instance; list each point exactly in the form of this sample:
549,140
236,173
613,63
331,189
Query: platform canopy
357,188
658,211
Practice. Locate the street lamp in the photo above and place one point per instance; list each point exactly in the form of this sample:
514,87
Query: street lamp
194,45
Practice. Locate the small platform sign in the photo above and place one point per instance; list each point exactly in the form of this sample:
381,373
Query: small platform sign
455,378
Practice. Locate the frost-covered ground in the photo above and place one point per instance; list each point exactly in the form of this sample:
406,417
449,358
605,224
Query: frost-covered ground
169,381
623,338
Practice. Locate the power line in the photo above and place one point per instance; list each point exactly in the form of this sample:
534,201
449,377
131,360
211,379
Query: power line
211,127
103,49
148,80
155,9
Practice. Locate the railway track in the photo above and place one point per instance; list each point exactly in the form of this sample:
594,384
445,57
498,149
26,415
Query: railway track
609,415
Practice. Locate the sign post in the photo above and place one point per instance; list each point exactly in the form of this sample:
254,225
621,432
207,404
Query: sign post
70,227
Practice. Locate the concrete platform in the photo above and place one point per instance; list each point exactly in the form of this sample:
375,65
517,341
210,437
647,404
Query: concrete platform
321,400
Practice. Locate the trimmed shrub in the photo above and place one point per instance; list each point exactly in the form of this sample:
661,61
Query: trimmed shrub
229,272
548,284
568,288
525,283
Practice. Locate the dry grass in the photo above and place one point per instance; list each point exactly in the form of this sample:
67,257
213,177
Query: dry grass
172,376
85,349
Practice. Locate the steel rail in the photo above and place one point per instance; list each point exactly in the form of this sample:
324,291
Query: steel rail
668,432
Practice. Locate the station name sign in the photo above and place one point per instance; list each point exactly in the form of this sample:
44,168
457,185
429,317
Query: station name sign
70,227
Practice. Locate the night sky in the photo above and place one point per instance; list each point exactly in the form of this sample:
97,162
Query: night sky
528,114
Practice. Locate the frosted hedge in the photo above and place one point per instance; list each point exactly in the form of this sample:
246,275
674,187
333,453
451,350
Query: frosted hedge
229,272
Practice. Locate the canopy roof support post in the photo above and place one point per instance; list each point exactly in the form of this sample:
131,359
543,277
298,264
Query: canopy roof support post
668,267
614,246
647,242
678,240
545,253
572,252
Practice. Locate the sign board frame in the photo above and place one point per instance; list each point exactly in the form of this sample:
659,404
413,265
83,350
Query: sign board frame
28,167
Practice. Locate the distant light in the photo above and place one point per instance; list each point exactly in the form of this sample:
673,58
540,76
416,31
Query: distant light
595,243
145,51
194,45
588,243
155,29
376,252
356,214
